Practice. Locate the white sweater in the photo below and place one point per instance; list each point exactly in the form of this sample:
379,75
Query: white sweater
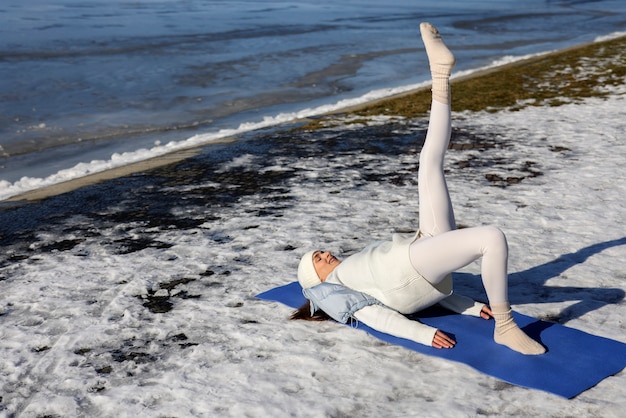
383,270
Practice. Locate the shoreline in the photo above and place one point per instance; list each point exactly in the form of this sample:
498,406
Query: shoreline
113,173
531,81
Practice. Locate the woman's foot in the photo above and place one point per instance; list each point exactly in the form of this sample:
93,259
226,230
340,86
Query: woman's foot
441,62
508,333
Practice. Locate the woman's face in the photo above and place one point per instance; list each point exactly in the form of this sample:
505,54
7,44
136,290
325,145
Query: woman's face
324,263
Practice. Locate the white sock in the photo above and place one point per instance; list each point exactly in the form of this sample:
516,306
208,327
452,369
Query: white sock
508,333
441,62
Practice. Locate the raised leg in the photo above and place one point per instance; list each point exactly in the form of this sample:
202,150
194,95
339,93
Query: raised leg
436,213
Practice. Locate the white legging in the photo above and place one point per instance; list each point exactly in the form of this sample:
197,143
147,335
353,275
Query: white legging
442,248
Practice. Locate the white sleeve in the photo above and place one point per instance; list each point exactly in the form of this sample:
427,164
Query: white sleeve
462,304
394,323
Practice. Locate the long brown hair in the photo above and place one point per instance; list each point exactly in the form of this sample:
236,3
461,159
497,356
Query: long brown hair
304,313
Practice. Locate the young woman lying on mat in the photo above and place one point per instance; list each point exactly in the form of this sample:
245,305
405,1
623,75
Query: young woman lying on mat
405,275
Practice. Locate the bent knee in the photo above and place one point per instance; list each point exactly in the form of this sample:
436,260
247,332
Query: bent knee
494,236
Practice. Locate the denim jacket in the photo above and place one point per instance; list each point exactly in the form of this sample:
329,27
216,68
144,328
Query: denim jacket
337,301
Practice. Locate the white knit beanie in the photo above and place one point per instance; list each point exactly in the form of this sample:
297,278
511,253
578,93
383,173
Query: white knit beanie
307,276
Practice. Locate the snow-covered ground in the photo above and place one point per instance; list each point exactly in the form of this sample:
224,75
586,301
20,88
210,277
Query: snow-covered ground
116,303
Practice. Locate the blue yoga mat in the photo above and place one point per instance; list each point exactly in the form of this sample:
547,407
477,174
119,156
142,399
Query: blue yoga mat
575,361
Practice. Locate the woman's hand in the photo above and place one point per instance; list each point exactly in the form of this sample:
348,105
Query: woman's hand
485,312
441,340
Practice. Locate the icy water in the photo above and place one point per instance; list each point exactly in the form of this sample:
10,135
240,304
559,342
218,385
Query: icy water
88,85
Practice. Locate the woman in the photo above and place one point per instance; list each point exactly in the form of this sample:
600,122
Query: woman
388,279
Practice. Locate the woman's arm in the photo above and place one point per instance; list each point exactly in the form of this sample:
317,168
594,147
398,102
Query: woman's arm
391,322
466,306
